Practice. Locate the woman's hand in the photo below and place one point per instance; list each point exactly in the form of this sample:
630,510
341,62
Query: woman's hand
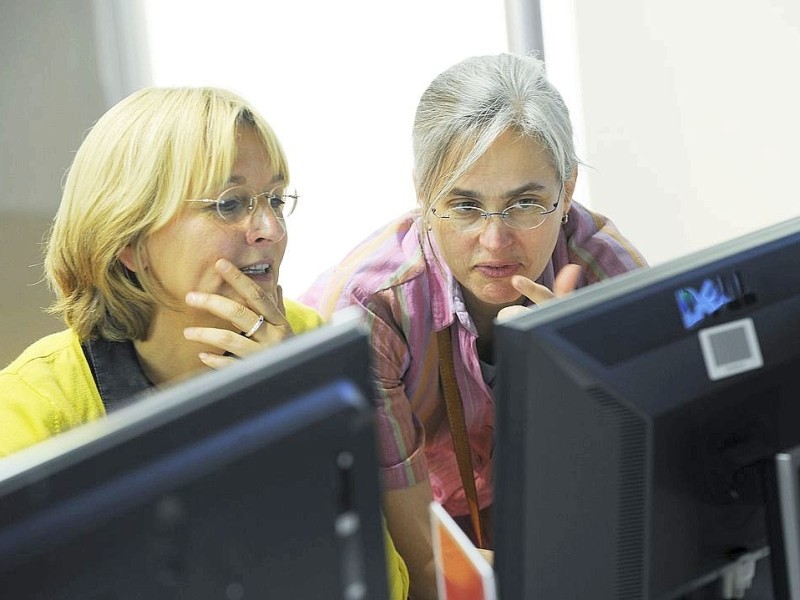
273,330
565,282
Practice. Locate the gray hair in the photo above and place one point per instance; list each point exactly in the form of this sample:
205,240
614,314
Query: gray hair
468,106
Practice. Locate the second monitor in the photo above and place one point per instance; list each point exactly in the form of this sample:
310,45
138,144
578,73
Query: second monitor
635,420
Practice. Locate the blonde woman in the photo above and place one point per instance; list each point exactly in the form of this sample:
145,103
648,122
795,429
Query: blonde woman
156,268
165,257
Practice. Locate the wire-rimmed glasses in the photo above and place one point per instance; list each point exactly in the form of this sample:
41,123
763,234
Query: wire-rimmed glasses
234,205
520,215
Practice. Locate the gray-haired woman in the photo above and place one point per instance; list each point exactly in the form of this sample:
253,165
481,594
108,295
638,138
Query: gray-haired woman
496,229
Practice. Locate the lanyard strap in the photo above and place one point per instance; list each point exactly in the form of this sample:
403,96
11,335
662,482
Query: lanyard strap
458,428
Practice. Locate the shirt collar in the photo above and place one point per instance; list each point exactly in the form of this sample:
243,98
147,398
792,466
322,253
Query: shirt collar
447,297
117,371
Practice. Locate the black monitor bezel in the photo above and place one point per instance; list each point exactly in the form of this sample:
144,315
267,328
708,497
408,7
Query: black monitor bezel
566,314
192,415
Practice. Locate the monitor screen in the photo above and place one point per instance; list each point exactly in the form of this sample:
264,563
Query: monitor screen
256,481
634,420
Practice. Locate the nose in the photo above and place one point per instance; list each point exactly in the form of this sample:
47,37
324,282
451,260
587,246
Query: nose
495,234
263,226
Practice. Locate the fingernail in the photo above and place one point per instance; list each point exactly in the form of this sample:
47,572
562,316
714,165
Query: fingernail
192,298
224,265
189,332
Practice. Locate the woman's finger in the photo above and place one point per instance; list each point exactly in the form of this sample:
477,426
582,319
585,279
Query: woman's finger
567,280
260,301
241,317
510,312
252,332
261,333
216,361
243,320
231,344
535,292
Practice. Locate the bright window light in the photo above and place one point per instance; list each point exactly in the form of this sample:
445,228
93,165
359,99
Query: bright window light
339,83
563,70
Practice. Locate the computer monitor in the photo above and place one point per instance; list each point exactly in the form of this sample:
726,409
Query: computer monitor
256,481
635,419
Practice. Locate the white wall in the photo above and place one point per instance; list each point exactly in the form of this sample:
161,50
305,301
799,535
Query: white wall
50,93
691,116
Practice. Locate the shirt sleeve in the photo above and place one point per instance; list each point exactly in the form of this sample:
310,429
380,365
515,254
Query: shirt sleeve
22,423
30,414
400,433
401,436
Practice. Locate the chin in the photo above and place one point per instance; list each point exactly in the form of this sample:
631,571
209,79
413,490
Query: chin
498,294
500,301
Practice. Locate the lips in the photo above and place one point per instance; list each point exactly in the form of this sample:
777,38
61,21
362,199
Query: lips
497,271
257,269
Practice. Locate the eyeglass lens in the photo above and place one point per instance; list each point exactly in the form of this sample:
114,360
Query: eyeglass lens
237,203
518,216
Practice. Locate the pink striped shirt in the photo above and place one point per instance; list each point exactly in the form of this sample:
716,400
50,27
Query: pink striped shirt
397,276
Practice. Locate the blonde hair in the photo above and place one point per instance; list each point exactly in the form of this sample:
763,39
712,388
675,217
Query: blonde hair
131,175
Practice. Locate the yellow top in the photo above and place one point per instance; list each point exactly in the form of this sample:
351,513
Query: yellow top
49,388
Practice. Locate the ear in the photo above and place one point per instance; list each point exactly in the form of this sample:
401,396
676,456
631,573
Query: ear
126,257
569,189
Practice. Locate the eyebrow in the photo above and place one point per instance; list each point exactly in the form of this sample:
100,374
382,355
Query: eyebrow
239,180
528,187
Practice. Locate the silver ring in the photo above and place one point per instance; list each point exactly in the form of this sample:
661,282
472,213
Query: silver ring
255,327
